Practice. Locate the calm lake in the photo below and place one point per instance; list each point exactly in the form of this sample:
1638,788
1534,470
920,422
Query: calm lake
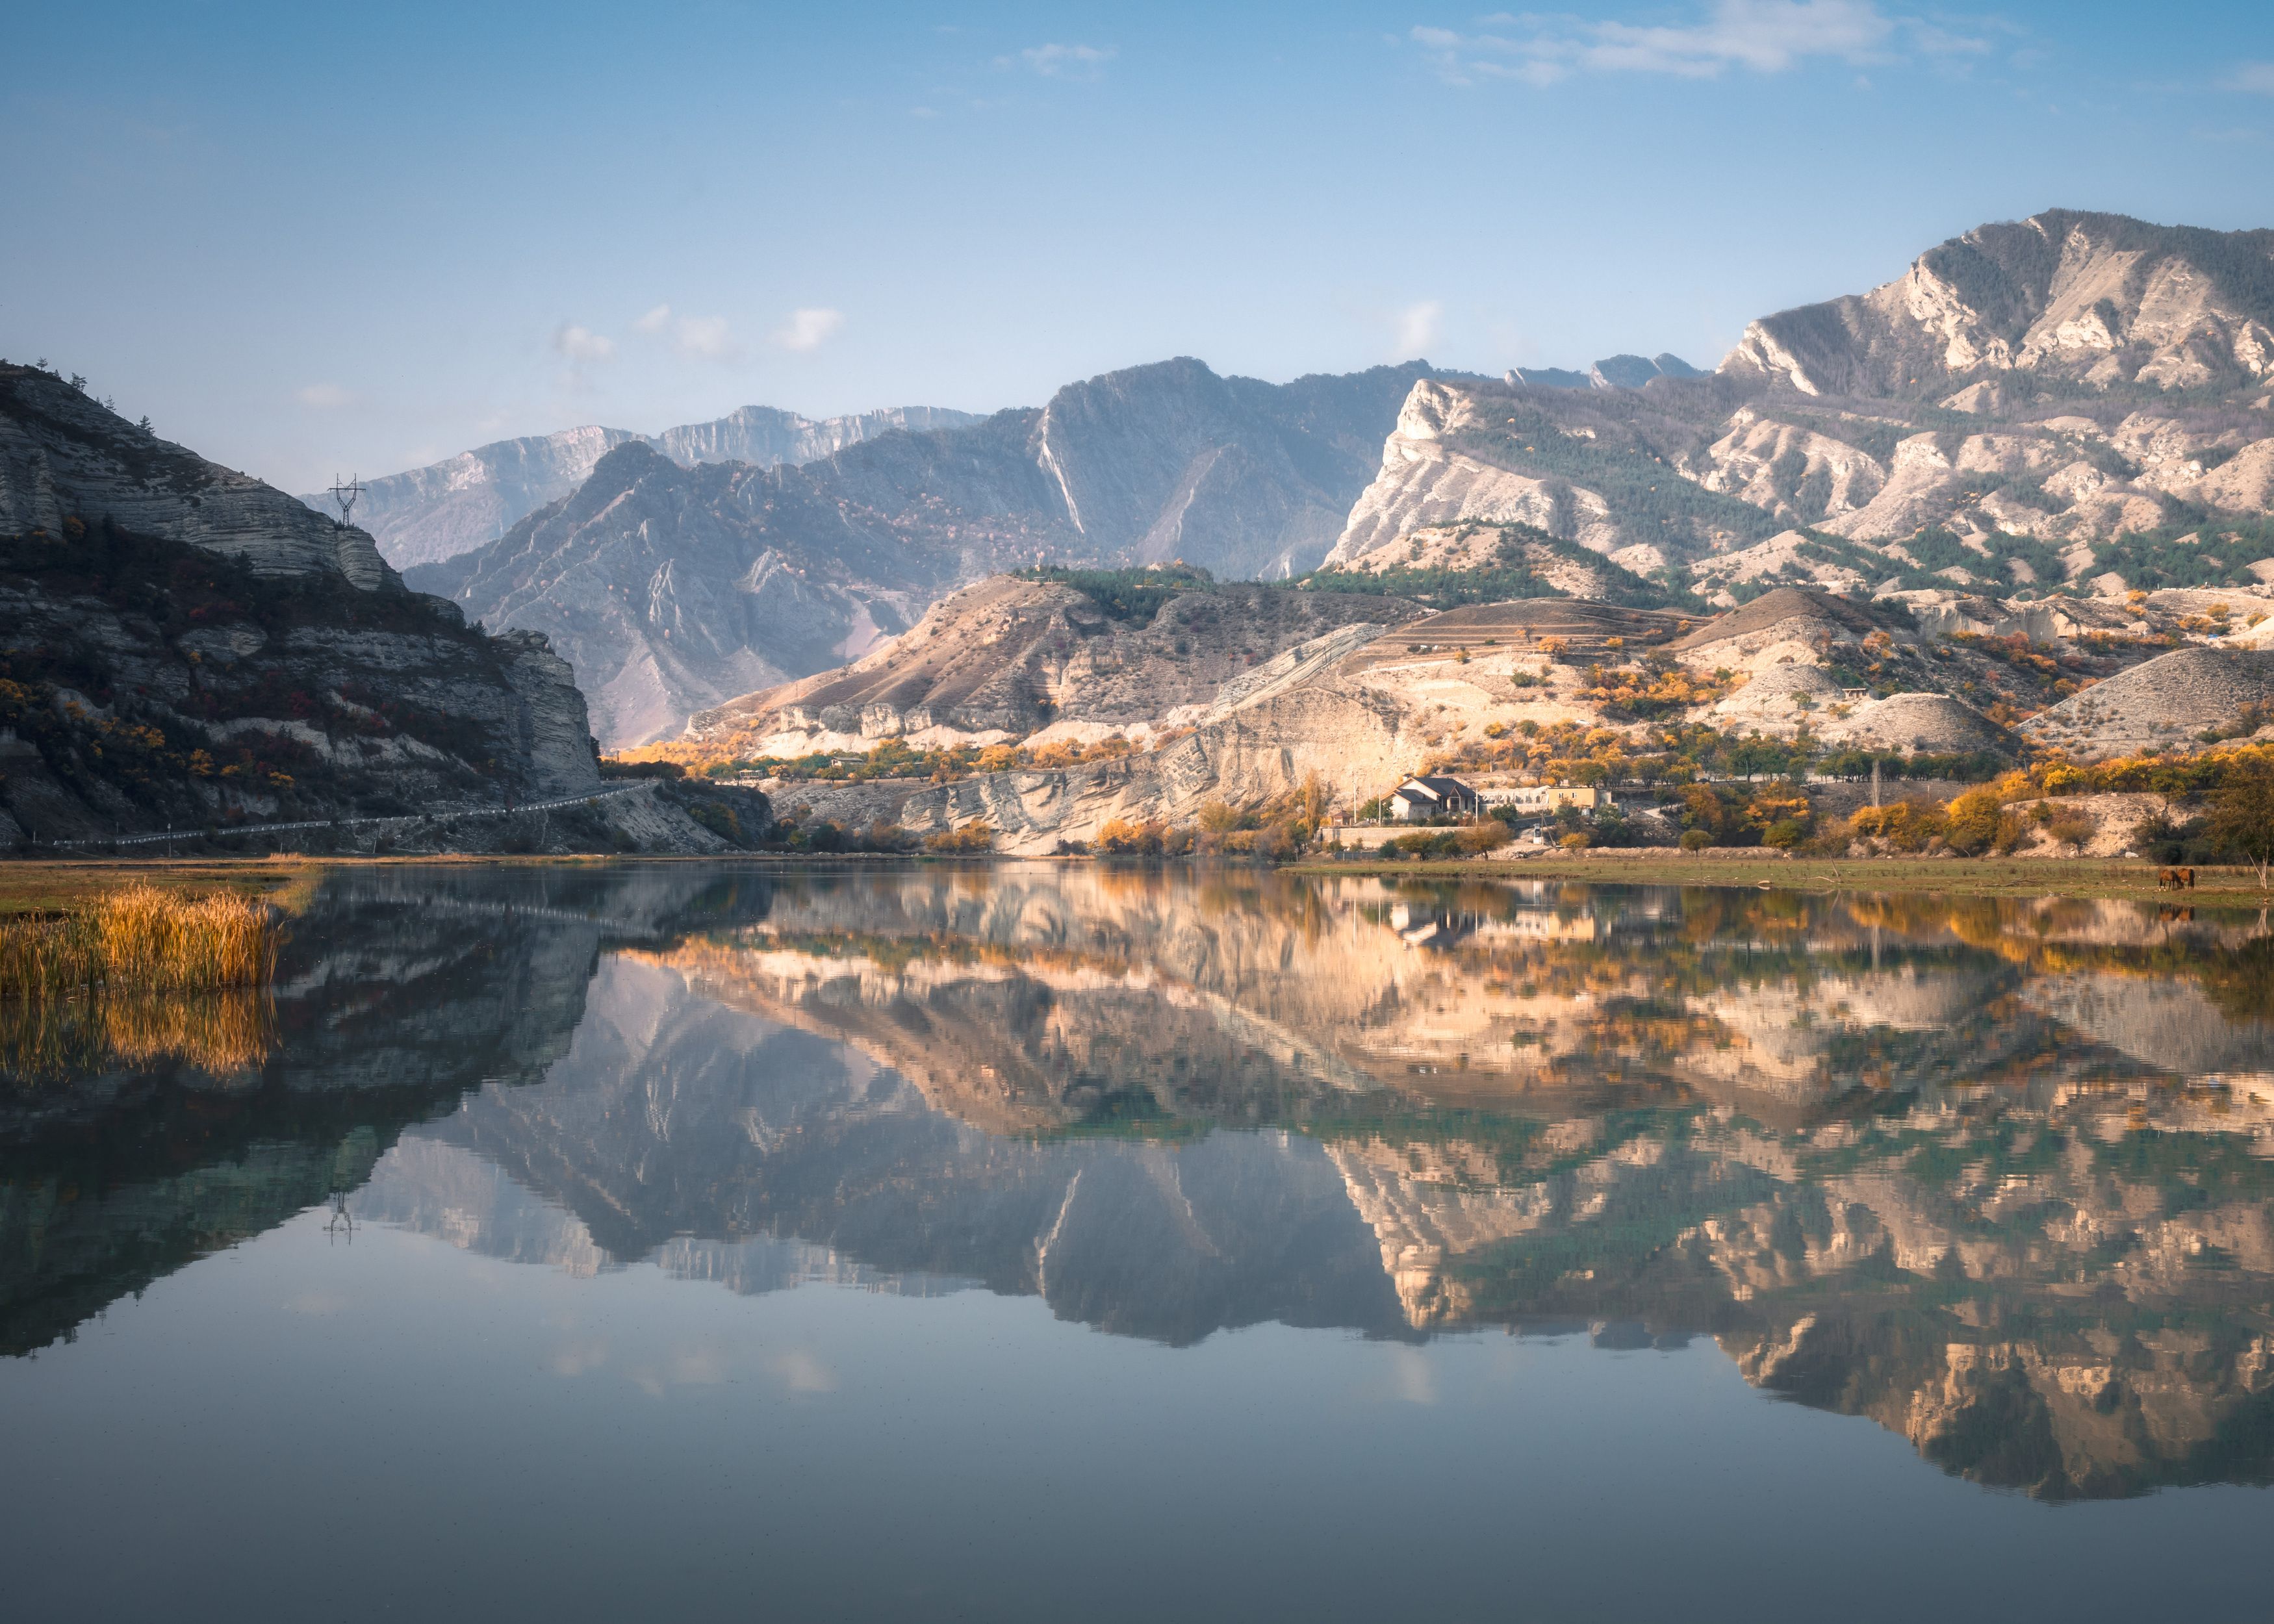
1041,1242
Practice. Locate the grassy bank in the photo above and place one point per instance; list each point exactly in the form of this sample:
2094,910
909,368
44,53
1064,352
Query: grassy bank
1972,876
54,890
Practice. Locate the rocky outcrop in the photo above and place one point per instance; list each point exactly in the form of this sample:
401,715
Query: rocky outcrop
186,646
1424,484
62,455
430,513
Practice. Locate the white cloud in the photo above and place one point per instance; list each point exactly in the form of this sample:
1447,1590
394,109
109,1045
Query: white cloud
1068,61
699,338
703,338
581,344
1417,328
808,330
323,396
1764,36
2254,77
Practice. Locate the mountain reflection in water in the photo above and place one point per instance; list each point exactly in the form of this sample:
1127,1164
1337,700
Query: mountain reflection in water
1996,1175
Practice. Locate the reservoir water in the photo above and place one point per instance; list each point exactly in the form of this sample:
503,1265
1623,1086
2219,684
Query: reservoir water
1048,1242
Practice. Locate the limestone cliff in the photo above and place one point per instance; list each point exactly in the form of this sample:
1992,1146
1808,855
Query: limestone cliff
185,645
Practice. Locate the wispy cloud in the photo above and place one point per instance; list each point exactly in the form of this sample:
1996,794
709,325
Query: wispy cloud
699,338
2257,78
582,345
1065,61
703,338
323,397
1762,36
808,330
1417,328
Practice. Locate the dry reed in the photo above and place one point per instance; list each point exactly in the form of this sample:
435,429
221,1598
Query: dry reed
151,941
142,975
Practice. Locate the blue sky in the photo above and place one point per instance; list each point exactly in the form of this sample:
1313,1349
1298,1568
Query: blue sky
304,238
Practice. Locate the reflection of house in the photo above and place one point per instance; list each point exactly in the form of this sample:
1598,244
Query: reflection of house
1554,797
1531,926
1418,799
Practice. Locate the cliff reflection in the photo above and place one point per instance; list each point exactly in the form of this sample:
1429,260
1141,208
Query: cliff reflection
1999,1175
147,1133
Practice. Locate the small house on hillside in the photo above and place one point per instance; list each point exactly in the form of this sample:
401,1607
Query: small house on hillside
1417,801
1555,797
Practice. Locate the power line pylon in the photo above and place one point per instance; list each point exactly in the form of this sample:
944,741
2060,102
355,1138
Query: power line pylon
345,496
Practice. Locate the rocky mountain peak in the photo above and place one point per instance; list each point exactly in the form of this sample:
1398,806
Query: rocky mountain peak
2103,300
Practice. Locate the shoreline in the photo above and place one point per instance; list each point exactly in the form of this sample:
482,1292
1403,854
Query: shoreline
42,887
2086,878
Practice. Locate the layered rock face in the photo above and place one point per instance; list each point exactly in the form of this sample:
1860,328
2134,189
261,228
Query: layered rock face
62,455
713,582
185,645
465,501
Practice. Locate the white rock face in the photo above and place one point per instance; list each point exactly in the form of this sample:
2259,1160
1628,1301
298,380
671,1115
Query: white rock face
1423,482
2098,297
1748,461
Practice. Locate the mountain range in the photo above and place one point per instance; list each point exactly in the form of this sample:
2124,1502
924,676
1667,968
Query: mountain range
672,588
454,506
2076,401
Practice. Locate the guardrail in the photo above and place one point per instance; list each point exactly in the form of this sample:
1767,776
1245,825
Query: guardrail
445,815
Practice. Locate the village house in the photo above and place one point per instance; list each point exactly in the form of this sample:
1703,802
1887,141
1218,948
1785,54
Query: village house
1418,799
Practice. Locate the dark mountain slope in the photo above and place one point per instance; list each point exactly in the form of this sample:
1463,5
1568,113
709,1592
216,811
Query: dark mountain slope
180,644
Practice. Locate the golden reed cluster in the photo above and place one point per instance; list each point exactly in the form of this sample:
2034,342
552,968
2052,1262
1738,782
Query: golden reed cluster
141,939
142,976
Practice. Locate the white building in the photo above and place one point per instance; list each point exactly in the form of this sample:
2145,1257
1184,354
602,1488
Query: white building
1555,797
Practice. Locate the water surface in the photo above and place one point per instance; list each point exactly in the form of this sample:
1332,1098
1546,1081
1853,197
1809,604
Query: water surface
1045,1242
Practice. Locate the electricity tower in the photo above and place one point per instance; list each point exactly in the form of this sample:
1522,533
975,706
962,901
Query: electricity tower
345,496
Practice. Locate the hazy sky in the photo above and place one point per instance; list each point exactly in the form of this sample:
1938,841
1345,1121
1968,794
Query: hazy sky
306,237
